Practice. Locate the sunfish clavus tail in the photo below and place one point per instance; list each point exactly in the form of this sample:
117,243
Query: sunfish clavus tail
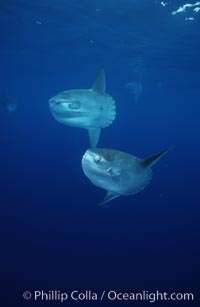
91,109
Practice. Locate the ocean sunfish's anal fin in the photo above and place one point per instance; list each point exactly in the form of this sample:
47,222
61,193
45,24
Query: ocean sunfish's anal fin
109,196
94,134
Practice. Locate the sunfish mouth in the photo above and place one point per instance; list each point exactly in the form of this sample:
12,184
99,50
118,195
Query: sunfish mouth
94,163
89,157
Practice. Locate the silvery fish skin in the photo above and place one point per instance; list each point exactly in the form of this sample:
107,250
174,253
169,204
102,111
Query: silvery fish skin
91,109
117,172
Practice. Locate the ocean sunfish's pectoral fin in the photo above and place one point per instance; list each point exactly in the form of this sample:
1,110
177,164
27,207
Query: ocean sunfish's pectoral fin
114,172
109,196
94,134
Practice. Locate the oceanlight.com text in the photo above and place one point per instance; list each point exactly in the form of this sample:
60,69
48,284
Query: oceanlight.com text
105,295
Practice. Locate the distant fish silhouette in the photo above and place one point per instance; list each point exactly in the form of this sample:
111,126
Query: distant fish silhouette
8,104
136,88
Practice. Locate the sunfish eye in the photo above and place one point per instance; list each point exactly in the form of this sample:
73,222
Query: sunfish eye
58,102
97,160
74,105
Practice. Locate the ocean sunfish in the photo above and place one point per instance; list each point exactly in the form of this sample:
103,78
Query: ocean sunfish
91,109
136,89
117,172
8,104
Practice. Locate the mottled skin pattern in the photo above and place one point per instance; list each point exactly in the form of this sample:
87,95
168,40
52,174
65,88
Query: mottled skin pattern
116,171
83,108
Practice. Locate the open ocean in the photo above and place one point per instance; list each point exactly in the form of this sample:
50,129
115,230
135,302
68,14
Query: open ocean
55,237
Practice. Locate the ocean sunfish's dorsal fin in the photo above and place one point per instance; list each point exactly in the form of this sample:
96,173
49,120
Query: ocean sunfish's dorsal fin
94,134
99,84
109,196
148,162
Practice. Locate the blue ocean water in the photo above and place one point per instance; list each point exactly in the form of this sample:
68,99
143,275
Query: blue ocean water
55,236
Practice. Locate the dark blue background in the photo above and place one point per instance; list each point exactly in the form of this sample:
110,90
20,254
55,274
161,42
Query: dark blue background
55,237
